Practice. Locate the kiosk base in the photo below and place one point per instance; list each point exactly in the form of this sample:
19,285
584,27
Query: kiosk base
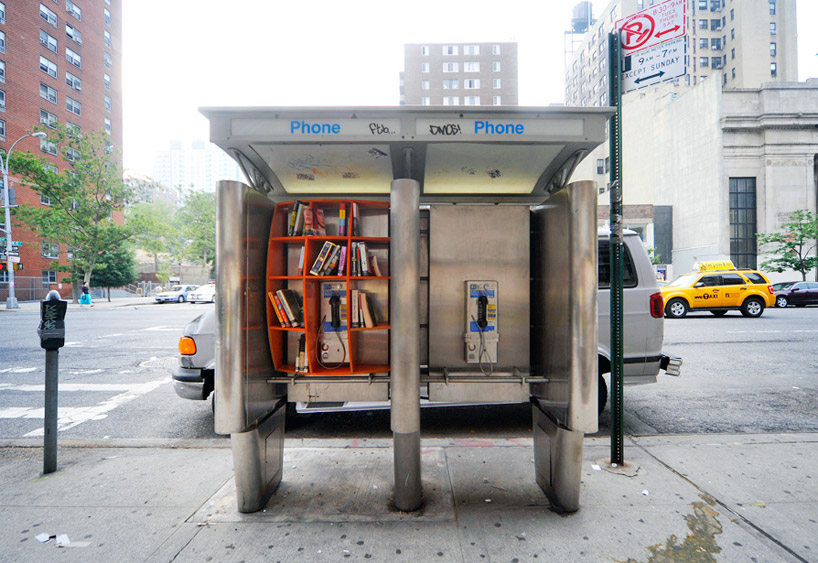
557,461
258,458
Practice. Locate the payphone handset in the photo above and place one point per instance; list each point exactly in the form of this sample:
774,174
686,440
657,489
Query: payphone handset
332,339
482,335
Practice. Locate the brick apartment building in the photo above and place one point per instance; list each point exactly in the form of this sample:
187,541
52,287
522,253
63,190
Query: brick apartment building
60,61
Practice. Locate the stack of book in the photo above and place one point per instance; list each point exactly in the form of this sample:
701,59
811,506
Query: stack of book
331,258
363,310
287,307
362,261
304,220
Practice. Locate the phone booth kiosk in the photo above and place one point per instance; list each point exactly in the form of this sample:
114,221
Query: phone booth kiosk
384,254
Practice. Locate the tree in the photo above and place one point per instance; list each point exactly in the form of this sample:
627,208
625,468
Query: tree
196,222
793,245
115,268
156,222
85,198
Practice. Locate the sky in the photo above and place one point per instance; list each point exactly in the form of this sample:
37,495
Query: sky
180,55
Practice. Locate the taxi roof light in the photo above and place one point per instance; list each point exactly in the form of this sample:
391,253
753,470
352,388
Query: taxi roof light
187,346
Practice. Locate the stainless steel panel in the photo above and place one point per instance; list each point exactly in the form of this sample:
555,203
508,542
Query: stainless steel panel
494,392
557,461
479,242
243,361
564,306
258,458
333,392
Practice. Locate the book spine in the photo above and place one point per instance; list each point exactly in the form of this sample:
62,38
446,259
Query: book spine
299,219
322,256
342,220
363,259
301,362
291,222
342,261
272,297
285,321
331,261
285,307
356,308
365,312
301,262
353,259
356,222
319,223
309,226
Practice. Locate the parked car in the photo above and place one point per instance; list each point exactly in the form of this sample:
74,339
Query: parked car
800,294
643,317
203,294
177,294
712,287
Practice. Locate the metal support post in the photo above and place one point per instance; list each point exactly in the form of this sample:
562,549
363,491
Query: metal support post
617,362
52,360
404,253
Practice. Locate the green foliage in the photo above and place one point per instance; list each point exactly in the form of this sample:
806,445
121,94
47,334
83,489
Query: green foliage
115,268
86,197
654,258
196,224
792,246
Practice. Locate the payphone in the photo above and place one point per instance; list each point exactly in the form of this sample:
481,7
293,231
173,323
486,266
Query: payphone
482,335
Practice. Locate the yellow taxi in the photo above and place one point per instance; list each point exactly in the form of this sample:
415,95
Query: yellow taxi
718,287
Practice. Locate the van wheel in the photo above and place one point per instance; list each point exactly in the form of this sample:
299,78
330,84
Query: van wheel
676,308
603,394
718,313
752,307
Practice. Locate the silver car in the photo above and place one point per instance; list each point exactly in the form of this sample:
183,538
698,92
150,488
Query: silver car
176,294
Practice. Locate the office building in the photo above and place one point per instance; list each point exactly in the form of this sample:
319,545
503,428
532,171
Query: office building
60,61
459,74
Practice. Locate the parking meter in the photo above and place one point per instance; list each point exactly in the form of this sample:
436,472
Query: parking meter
52,321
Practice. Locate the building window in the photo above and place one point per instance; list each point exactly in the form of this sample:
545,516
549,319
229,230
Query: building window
47,41
497,83
48,16
107,79
48,93
733,53
73,106
704,61
715,5
600,166
772,7
2,12
3,128
471,100
773,49
451,84
73,9
73,33
451,100
451,67
48,146
734,74
715,44
732,14
48,67
449,49
48,119
703,5
45,200
772,28
424,67
715,25
424,50
73,58
773,69
49,277
497,100
107,103
471,67
495,66
425,85
424,101
702,24
495,49
107,13
108,60
471,50
108,127
50,250
471,83
106,37
73,81
716,62
2,100
743,249
2,71
2,41
703,43
72,155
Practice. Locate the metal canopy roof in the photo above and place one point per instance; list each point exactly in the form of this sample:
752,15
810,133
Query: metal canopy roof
484,154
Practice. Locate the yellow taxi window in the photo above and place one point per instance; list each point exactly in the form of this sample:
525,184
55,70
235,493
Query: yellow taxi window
732,279
755,277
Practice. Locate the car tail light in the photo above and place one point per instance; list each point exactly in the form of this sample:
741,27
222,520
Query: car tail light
187,346
771,289
657,306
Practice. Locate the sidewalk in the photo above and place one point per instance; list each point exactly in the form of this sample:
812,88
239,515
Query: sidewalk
28,306
694,498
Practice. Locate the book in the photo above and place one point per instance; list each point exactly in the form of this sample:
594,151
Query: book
301,262
292,307
373,260
298,230
308,221
301,362
356,308
363,259
342,220
276,309
319,225
331,261
366,311
318,265
353,259
356,222
342,261
291,221
279,306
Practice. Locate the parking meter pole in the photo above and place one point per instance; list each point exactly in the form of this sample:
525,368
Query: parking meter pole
617,361
52,337
52,358
404,253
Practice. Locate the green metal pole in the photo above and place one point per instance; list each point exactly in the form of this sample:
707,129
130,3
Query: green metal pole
615,138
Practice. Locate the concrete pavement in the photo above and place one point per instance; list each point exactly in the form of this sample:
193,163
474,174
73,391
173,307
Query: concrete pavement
693,498
103,303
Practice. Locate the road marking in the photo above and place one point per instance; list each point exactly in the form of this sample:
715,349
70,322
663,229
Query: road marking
17,370
769,331
163,328
69,417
